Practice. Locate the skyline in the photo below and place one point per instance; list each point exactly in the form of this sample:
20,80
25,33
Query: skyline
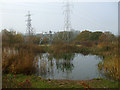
92,16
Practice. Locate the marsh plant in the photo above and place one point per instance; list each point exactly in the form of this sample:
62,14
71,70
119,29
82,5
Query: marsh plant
22,62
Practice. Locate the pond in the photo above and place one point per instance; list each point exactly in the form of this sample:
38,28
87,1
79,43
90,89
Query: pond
69,66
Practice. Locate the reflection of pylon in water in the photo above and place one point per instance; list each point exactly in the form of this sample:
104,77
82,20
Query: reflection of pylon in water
29,30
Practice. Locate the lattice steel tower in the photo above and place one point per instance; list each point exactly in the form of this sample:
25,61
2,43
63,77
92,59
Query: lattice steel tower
29,29
67,22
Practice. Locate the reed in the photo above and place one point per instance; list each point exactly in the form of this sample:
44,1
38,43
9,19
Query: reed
21,62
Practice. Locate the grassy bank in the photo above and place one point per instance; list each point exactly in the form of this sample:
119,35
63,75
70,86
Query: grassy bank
31,81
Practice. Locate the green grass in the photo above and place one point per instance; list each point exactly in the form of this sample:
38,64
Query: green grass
11,81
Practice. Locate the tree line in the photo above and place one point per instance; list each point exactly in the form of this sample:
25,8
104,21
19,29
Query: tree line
83,38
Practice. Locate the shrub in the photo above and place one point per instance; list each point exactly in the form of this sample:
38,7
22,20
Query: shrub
62,48
82,49
31,47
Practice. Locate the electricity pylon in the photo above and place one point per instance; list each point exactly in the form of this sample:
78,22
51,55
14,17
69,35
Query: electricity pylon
29,29
67,23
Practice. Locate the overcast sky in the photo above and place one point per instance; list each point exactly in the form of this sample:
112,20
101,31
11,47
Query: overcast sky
93,16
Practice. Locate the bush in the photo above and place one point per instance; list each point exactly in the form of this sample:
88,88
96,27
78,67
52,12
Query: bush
62,48
82,49
31,47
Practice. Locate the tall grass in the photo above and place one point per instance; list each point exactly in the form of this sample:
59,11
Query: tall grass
21,62
110,64
20,58
111,67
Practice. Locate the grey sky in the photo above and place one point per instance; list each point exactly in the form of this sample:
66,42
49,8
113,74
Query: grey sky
93,16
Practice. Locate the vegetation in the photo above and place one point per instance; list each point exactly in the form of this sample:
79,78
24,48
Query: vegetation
19,51
21,62
31,81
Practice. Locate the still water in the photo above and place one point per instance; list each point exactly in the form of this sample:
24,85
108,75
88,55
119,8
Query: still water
70,66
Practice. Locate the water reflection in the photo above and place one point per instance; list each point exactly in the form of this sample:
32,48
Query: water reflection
64,65
47,64
67,66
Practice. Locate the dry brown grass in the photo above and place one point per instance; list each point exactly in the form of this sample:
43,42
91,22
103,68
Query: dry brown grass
111,67
111,62
21,62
